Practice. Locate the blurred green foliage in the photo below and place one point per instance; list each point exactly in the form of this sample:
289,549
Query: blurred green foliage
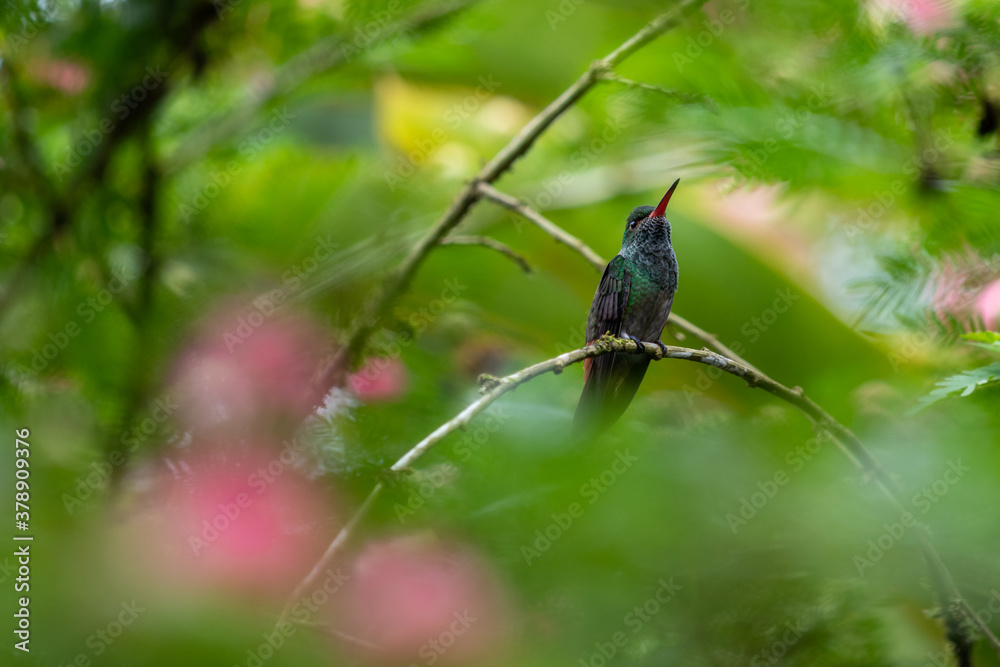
845,170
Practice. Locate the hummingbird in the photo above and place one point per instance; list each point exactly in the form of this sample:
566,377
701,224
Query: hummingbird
632,301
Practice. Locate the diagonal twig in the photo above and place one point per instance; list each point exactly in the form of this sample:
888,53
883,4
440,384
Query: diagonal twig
974,619
677,94
335,547
487,242
549,227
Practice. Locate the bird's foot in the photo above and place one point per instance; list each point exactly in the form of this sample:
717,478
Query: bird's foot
634,339
642,343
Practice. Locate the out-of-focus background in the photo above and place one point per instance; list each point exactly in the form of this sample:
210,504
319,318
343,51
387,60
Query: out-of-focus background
197,199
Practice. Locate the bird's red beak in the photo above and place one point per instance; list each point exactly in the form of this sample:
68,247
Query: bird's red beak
661,208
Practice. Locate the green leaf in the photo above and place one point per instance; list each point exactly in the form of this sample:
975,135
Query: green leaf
988,340
964,384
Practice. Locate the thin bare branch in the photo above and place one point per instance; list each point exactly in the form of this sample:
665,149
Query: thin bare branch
980,625
487,242
331,551
676,94
549,227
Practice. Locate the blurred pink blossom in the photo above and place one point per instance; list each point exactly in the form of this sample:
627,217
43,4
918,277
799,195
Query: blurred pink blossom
63,75
988,305
244,368
233,519
754,208
757,217
415,599
380,379
922,17
964,289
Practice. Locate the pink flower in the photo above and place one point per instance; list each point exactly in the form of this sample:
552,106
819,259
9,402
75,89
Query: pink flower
233,519
922,17
957,291
413,597
988,305
925,17
380,379
244,369
63,75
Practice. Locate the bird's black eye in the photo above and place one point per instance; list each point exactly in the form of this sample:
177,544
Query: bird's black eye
632,224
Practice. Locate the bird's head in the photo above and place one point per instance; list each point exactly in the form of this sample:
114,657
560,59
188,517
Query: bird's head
647,224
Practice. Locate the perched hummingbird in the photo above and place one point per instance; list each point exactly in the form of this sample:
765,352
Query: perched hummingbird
632,301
